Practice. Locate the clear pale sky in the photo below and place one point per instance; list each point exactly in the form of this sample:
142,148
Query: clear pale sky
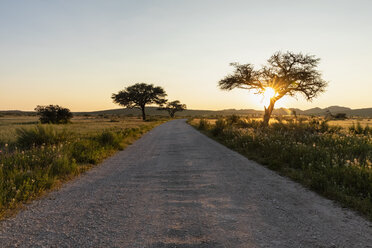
77,53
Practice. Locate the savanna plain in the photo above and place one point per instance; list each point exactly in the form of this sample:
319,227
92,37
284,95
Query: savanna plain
331,157
35,158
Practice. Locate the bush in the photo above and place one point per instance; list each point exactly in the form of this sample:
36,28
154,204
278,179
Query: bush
248,123
244,123
319,126
233,119
220,125
203,124
108,138
62,166
340,116
358,129
86,151
40,135
53,114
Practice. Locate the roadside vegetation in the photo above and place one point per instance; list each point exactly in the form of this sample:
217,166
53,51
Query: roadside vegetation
333,161
37,157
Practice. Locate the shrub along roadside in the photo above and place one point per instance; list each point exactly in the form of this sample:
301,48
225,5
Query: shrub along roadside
336,164
43,158
40,135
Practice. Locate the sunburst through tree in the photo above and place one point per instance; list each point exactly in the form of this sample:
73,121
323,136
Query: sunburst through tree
285,74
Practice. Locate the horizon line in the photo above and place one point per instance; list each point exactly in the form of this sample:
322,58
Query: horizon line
87,111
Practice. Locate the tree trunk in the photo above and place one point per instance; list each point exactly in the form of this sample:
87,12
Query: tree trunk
268,112
143,113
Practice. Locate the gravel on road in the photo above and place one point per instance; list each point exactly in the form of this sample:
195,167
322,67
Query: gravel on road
176,187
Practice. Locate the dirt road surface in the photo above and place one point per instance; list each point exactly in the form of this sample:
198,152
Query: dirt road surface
177,188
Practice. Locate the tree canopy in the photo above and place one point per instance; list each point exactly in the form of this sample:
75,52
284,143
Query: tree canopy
173,107
286,73
53,114
139,95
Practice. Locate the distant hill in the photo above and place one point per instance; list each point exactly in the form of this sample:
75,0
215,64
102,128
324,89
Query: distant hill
313,111
154,111
332,109
338,109
366,112
17,112
151,111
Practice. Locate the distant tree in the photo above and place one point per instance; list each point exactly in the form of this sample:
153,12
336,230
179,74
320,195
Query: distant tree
285,74
173,107
53,114
139,95
340,116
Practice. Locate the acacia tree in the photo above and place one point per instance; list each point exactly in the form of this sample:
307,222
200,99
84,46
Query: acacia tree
286,73
173,107
139,95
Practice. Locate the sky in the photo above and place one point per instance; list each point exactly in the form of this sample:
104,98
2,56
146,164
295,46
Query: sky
76,53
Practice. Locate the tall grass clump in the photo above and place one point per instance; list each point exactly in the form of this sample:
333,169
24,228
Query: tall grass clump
219,126
40,135
203,124
233,119
335,163
358,129
109,138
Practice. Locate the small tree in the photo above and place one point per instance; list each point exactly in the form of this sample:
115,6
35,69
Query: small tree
53,114
285,74
340,116
173,107
139,95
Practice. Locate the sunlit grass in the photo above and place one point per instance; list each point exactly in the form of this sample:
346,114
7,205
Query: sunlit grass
345,124
334,161
350,122
35,157
80,125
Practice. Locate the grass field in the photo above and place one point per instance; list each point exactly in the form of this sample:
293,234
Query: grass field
345,124
334,161
35,158
350,122
79,125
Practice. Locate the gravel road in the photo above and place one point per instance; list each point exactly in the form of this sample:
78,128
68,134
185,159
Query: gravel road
177,188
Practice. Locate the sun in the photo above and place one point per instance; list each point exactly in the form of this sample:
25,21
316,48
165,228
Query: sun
263,98
267,95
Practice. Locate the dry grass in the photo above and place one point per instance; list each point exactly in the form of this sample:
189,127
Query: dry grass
36,158
334,161
345,124
79,125
349,122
